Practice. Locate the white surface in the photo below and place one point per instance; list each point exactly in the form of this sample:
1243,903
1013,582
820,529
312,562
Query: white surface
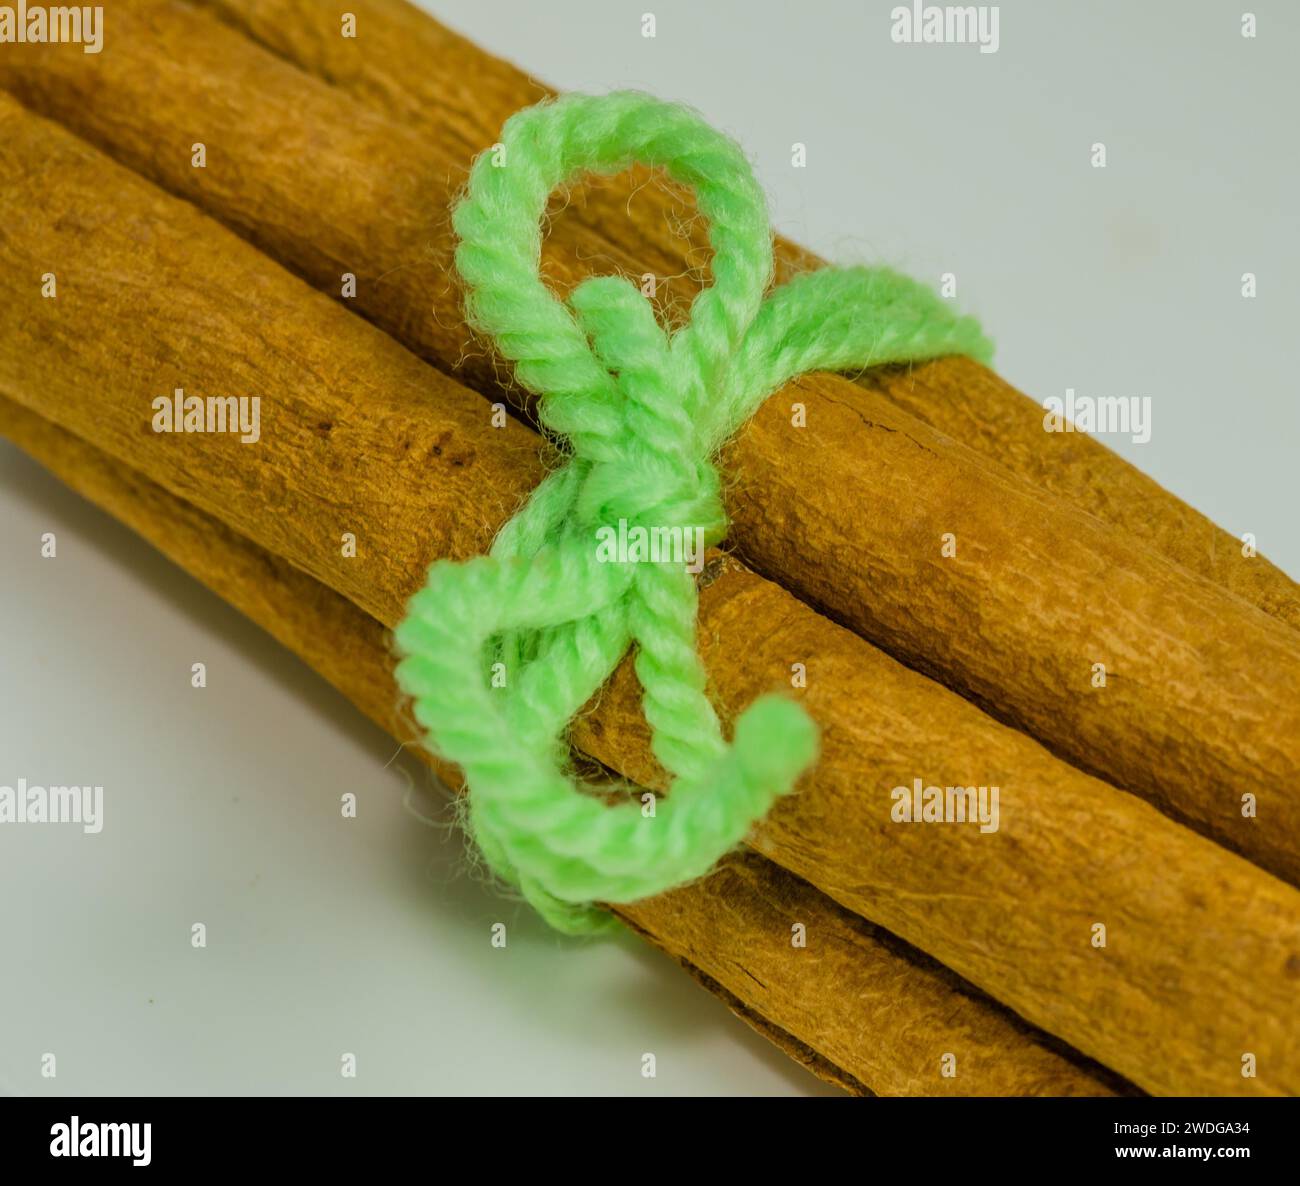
327,936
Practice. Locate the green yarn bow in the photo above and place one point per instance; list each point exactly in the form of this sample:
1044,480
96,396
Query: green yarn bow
644,412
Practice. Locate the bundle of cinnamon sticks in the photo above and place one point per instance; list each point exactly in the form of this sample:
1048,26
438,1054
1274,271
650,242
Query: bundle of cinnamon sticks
1126,919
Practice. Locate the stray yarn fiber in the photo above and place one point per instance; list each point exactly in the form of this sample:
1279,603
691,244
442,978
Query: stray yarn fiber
642,412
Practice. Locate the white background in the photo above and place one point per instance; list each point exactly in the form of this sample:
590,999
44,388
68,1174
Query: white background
371,936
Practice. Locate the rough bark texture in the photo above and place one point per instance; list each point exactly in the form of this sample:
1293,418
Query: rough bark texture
425,77
856,1006
359,436
1202,700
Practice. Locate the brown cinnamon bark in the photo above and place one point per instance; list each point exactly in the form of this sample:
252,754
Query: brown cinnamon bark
302,150
360,437
855,1005
422,75
1201,700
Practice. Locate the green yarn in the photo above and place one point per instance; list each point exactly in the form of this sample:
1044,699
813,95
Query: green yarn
643,413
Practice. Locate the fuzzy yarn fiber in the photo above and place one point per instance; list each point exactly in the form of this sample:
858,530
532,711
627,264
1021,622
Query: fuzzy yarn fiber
642,413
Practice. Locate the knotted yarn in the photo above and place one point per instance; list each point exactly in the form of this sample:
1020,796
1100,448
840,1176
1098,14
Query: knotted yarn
642,413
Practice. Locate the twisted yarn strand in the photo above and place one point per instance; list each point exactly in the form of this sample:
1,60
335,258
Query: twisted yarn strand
643,413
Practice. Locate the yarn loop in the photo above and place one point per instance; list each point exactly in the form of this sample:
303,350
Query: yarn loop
642,412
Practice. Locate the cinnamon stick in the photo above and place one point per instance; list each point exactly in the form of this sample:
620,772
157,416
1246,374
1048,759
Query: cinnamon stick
422,75
359,437
1129,667
855,1005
